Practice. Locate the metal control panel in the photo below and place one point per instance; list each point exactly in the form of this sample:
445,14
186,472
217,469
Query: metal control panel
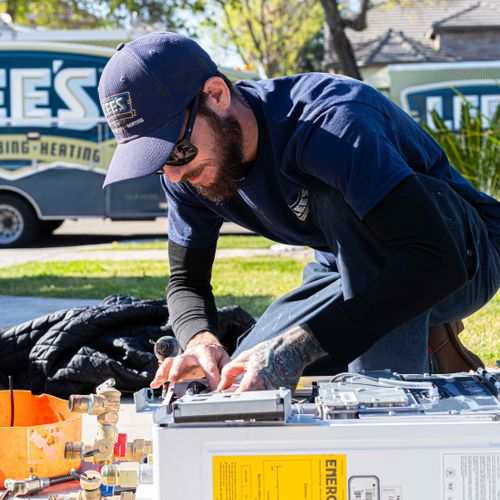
369,436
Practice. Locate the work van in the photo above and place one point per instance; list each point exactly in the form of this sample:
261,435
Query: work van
55,145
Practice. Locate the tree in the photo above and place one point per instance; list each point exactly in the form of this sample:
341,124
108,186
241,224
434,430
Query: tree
339,15
311,55
165,14
70,14
338,18
77,14
267,33
13,7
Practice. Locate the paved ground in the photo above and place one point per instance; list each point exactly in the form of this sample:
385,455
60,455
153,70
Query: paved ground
16,310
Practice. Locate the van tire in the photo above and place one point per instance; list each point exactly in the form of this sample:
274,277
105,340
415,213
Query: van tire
19,224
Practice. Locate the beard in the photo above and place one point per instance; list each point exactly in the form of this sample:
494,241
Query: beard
231,169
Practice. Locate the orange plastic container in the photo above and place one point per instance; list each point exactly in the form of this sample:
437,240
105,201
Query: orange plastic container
35,443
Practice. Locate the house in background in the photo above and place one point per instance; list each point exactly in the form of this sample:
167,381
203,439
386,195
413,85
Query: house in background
10,32
426,54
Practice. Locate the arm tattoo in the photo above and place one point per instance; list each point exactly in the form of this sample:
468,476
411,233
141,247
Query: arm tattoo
279,362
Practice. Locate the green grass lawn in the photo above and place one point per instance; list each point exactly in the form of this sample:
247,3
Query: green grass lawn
250,282
482,332
225,241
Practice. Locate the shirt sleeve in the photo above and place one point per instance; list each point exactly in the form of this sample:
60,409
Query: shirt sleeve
193,230
353,148
191,304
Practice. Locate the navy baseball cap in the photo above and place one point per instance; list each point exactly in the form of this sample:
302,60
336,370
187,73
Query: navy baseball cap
145,90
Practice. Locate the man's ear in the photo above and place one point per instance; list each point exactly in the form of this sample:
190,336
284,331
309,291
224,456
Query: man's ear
219,95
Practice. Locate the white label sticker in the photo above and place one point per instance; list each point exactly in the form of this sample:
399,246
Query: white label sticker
364,488
391,493
471,477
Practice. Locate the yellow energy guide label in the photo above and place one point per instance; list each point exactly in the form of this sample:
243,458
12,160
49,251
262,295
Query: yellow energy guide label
279,477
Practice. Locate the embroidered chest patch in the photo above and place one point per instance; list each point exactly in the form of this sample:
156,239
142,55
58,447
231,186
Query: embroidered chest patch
301,205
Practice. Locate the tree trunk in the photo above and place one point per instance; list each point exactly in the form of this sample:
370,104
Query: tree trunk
11,9
341,44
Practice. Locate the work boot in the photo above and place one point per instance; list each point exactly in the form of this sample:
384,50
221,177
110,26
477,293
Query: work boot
446,353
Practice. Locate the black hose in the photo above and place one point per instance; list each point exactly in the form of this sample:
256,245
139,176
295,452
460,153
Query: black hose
61,479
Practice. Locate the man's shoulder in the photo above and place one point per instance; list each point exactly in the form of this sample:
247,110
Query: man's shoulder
314,79
310,94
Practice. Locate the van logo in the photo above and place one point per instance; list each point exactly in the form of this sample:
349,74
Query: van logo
50,115
447,99
118,107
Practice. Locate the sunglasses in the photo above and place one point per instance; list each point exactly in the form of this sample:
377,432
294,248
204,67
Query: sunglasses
184,151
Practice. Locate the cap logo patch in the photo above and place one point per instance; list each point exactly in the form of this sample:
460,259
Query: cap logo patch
118,107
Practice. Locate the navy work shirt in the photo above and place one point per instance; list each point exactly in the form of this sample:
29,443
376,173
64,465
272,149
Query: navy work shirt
317,126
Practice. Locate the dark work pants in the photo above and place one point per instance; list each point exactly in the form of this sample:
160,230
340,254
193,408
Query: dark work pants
360,257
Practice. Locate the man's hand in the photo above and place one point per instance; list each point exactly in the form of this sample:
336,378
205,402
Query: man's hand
204,356
275,363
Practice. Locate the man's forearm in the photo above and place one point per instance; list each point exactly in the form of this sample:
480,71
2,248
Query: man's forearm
279,362
189,315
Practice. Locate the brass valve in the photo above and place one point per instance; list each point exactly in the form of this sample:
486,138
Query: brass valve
99,450
137,449
127,474
105,400
90,483
105,404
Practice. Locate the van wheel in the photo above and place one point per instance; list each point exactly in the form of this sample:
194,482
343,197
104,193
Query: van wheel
19,224
49,226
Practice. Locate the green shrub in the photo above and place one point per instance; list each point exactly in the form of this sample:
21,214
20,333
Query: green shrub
473,149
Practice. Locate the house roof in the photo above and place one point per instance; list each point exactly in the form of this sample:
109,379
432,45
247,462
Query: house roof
481,15
393,46
403,33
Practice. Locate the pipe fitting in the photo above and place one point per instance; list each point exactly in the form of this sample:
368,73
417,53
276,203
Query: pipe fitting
127,474
74,449
137,449
105,404
90,483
